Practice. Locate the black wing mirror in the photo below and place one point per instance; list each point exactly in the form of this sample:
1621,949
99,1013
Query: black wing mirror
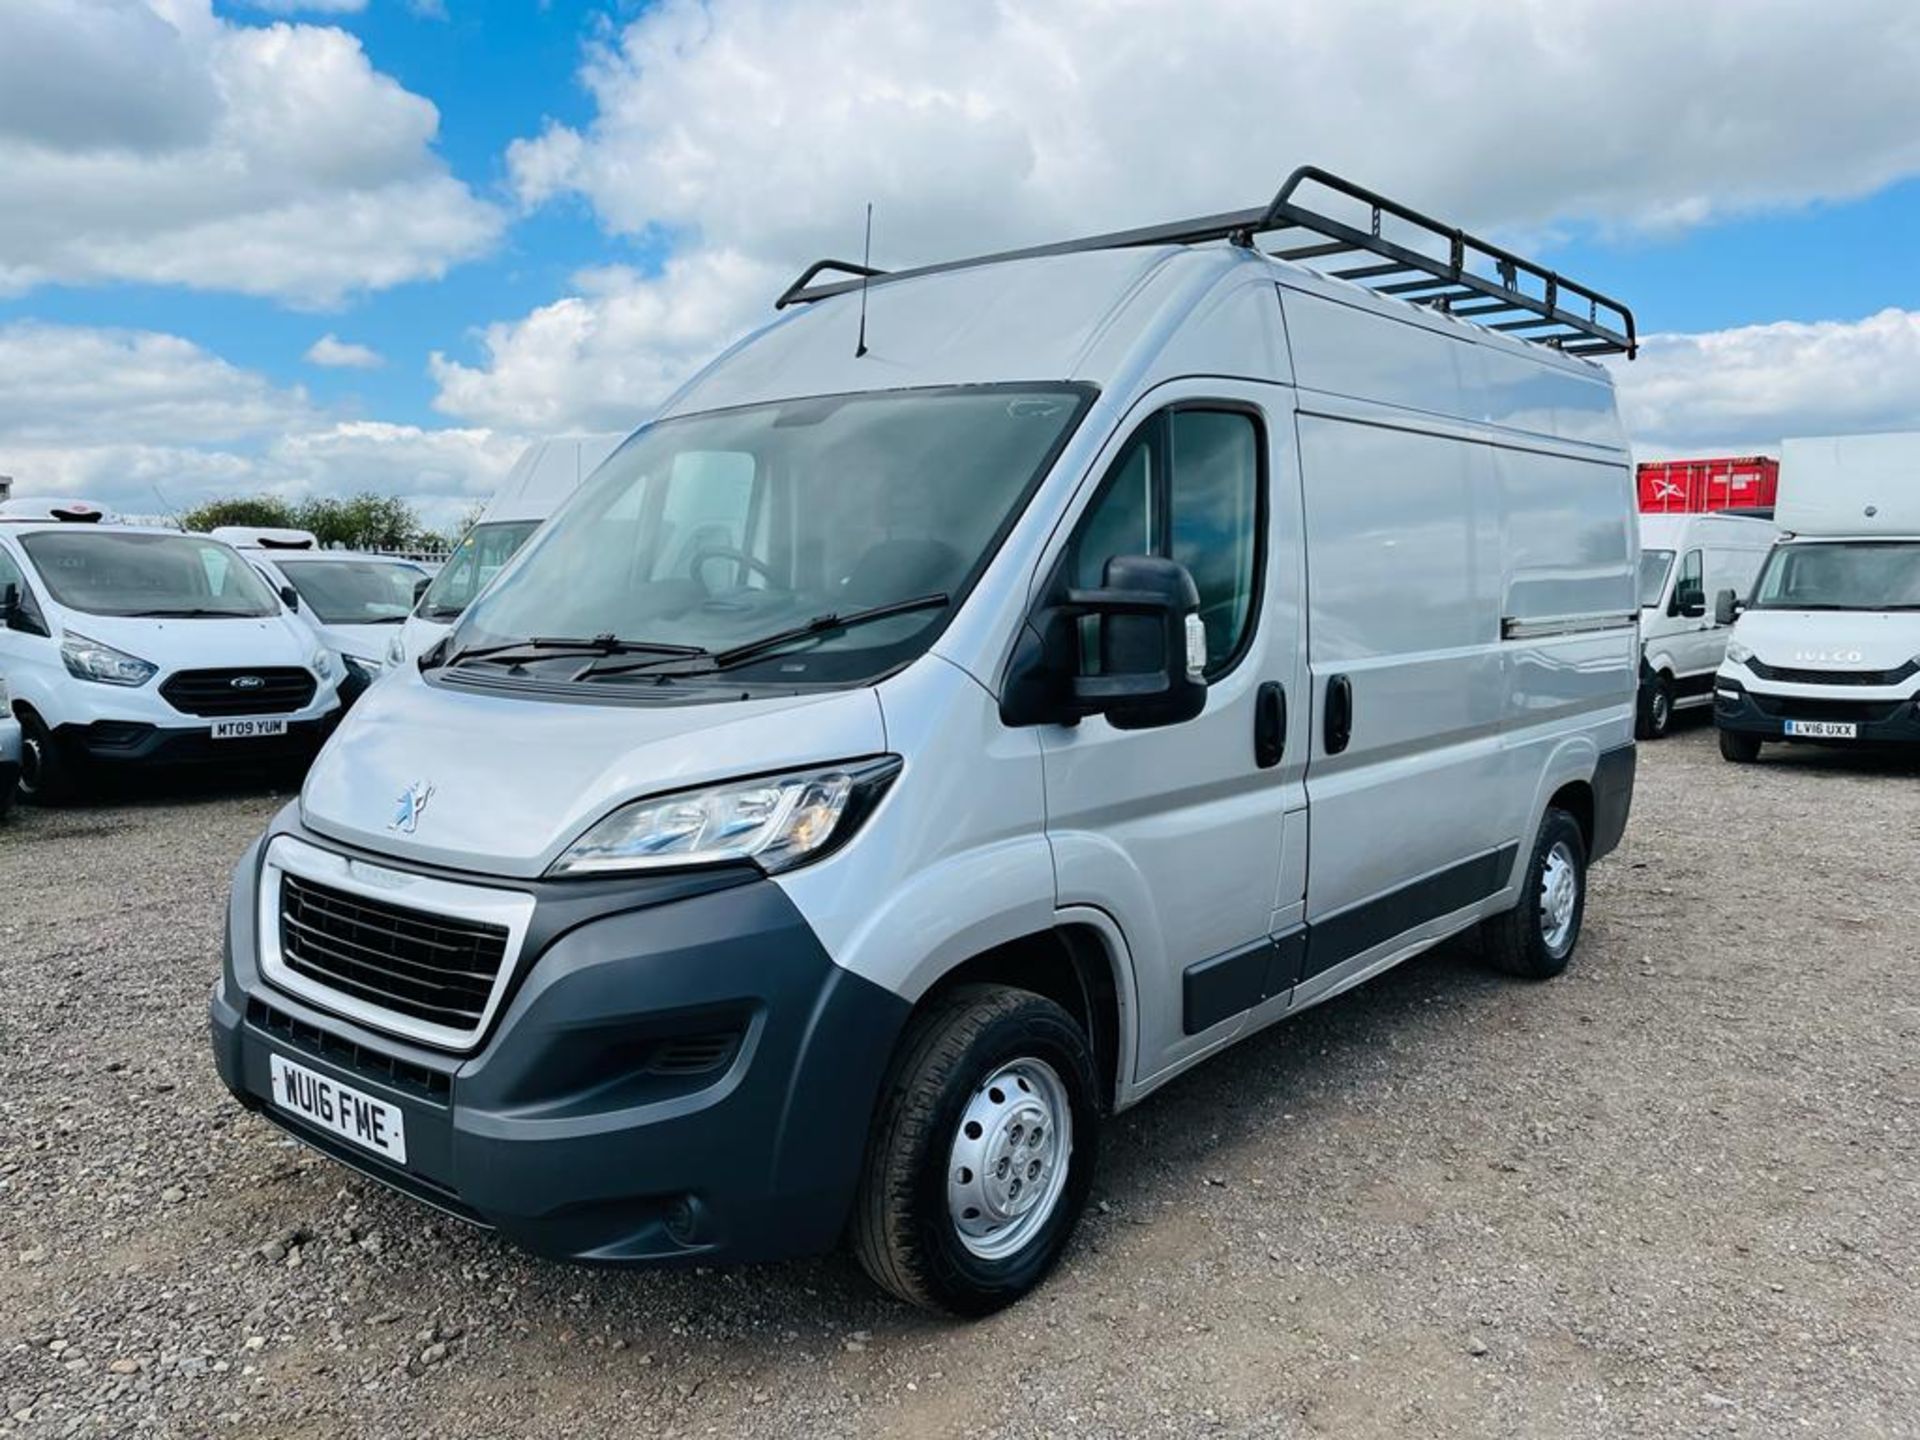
1726,608
1692,605
9,604
1142,625
290,597
420,587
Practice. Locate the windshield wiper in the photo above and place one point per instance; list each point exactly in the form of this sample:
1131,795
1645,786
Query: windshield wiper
827,624
193,613
598,645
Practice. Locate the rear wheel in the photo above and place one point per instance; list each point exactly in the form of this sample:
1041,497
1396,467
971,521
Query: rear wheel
981,1154
1535,939
1656,708
47,775
1740,749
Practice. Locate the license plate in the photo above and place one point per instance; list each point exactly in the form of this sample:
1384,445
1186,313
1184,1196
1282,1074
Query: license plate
1823,729
369,1123
247,729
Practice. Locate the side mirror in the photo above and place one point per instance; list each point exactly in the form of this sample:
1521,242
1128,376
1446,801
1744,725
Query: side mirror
1142,624
420,588
1726,608
1690,606
290,597
9,605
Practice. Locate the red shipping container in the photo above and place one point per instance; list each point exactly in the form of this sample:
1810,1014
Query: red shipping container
1697,486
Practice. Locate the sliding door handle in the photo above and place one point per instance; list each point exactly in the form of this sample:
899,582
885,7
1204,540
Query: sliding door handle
1339,728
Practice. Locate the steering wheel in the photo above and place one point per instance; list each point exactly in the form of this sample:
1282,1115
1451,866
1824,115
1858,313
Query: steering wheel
705,556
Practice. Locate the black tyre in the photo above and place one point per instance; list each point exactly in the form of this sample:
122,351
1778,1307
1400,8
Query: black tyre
982,1151
1656,709
1740,749
48,775
1536,938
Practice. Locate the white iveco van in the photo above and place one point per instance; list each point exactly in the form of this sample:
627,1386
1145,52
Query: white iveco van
547,472
967,706
125,645
1683,560
1827,649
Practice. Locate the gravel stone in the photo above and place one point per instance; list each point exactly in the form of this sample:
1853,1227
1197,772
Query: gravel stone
1675,1192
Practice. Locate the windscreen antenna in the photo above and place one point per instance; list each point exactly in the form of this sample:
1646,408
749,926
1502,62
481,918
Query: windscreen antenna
866,265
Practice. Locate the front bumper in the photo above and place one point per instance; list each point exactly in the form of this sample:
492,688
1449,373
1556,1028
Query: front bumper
1743,710
132,742
565,1130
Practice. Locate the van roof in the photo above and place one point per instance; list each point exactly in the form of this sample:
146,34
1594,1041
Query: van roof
265,537
1100,309
546,472
1666,530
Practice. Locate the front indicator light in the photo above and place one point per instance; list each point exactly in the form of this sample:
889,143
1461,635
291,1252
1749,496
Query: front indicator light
776,821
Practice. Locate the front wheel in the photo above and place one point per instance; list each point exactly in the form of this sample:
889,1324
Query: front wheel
1740,749
1535,939
981,1153
1656,709
47,775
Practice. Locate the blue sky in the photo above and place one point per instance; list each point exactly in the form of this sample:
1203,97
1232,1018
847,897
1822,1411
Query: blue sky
539,216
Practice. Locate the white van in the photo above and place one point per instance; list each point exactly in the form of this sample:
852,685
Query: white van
126,645
355,602
969,705
1683,560
547,472
1827,649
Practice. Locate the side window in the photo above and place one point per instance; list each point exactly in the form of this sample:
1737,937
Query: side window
1187,486
12,574
1691,587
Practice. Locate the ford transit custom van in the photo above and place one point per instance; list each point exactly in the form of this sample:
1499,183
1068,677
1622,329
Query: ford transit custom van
975,699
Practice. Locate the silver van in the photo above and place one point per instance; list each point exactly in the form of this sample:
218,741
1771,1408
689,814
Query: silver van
976,698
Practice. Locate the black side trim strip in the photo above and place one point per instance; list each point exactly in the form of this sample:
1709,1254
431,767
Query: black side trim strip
1341,937
1612,797
1220,988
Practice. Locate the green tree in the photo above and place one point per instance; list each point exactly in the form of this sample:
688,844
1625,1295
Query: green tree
361,522
266,511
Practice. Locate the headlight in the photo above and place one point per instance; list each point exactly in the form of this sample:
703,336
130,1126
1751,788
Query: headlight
396,649
1738,653
90,660
322,663
365,664
777,821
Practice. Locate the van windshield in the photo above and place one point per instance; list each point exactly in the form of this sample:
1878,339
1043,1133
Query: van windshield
714,532
354,592
1841,575
117,572
1654,565
475,560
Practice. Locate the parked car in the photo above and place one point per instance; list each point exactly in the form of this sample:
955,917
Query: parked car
1683,560
1828,648
10,749
901,755
547,472
126,646
354,602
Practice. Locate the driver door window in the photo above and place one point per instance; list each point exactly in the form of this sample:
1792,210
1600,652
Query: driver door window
1188,487
1691,587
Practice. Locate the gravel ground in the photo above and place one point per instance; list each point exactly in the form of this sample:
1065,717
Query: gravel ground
1676,1192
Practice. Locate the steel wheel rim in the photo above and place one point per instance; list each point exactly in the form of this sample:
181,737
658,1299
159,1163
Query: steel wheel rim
1662,709
1007,1166
1559,898
30,764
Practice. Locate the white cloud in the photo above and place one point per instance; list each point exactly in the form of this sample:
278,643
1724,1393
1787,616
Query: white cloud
151,141
755,131
1743,390
330,350
147,423
317,7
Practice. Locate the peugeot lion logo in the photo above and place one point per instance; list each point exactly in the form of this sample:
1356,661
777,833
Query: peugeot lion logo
246,682
406,810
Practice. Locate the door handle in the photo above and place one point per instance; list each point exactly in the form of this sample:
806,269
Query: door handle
1269,724
1339,727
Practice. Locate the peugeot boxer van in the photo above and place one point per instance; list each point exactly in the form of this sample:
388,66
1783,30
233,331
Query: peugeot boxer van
1683,560
547,472
125,645
975,699
1827,648
354,602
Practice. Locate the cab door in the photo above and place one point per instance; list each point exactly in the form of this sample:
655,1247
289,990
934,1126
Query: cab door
1182,834
1694,642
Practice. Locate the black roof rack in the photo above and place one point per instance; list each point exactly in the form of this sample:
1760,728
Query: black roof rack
1472,279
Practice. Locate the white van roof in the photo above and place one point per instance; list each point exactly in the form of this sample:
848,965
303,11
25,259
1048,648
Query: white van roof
56,507
547,472
265,537
1850,485
1672,530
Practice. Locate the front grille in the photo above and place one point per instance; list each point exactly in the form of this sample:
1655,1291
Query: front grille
1788,707
428,967
280,691
1833,677
362,1060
